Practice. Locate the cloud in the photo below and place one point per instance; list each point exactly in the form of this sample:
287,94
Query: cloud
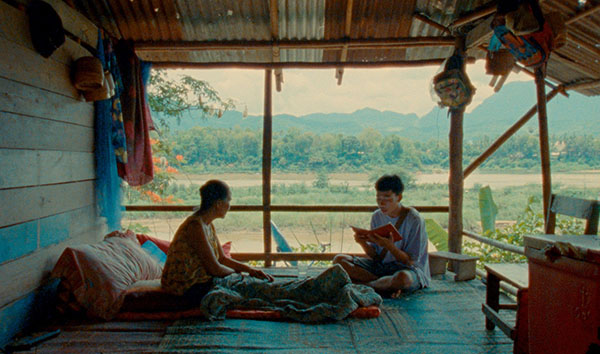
306,91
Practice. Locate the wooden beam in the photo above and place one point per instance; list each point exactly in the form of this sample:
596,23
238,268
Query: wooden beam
544,144
266,163
381,43
586,85
504,137
339,72
473,16
304,65
274,14
432,23
583,14
480,34
286,208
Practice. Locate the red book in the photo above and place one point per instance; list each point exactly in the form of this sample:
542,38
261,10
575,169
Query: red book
384,230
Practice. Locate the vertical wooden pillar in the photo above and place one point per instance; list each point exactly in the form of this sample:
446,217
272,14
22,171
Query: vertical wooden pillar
455,178
266,164
455,181
544,143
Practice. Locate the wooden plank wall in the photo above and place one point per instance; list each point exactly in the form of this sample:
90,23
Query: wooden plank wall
46,167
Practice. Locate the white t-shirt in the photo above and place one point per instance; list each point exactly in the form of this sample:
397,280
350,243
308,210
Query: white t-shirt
414,241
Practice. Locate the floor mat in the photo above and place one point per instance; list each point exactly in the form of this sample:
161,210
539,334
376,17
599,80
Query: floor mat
445,318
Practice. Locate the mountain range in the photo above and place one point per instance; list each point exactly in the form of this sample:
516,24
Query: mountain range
575,115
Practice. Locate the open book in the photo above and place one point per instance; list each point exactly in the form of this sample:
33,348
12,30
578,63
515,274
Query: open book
381,231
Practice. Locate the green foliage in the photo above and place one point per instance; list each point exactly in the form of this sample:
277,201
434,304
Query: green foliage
487,209
138,228
322,180
436,234
530,222
171,98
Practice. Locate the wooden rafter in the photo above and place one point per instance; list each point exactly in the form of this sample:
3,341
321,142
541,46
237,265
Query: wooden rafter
274,13
582,14
376,43
432,23
304,65
339,72
474,16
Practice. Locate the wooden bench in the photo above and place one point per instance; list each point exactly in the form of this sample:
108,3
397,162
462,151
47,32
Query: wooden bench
517,275
462,264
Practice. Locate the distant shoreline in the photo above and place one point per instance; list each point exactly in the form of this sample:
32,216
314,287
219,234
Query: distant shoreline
588,179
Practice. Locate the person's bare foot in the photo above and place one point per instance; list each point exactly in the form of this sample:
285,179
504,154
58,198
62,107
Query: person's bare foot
396,294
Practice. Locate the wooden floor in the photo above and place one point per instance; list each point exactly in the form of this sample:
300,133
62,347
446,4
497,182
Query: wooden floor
446,318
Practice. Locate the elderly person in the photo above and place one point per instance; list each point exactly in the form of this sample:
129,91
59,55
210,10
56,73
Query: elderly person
195,256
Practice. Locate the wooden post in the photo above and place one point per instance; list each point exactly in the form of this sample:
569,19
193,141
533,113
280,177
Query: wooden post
266,164
455,180
544,144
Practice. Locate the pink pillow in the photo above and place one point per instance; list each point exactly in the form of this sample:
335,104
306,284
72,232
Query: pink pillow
98,275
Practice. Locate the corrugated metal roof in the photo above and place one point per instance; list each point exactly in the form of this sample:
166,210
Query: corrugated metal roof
179,22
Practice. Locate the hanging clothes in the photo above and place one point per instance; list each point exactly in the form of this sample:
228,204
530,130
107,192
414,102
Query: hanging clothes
137,121
109,139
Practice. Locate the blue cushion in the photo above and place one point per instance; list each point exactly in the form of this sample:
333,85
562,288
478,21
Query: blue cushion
152,249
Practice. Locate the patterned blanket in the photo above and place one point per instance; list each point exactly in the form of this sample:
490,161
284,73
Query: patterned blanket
327,296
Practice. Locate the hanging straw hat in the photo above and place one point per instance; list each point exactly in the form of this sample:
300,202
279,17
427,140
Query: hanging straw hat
88,74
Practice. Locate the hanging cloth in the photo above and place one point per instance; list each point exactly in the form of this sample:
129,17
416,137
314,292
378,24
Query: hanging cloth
108,138
136,117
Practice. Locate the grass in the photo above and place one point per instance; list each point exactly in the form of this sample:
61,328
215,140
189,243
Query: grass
310,228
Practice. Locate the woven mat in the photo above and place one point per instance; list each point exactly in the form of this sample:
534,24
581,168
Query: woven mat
445,318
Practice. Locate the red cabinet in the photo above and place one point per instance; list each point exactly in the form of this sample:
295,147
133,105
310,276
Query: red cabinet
564,293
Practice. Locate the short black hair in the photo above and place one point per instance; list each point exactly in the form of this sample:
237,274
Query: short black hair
211,192
390,183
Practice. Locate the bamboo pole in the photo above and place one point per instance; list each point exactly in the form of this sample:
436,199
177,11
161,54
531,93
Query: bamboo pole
266,163
498,244
544,144
285,208
359,43
303,64
504,137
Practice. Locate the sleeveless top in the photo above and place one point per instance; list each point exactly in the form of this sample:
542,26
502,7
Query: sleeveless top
184,267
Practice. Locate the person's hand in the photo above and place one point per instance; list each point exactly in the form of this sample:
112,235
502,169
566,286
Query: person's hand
360,238
257,273
382,241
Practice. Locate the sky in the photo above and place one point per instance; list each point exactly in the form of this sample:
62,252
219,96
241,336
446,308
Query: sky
306,91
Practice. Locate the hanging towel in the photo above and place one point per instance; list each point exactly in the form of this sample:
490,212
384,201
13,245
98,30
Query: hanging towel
108,139
136,117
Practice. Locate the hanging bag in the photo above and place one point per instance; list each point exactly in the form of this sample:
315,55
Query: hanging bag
452,85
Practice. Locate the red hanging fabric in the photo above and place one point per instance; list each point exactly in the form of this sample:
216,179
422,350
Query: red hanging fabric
136,119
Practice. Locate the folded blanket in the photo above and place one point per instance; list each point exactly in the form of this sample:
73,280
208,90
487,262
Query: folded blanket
328,296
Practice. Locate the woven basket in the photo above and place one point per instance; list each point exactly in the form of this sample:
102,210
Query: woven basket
559,29
499,63
88,74
98,94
